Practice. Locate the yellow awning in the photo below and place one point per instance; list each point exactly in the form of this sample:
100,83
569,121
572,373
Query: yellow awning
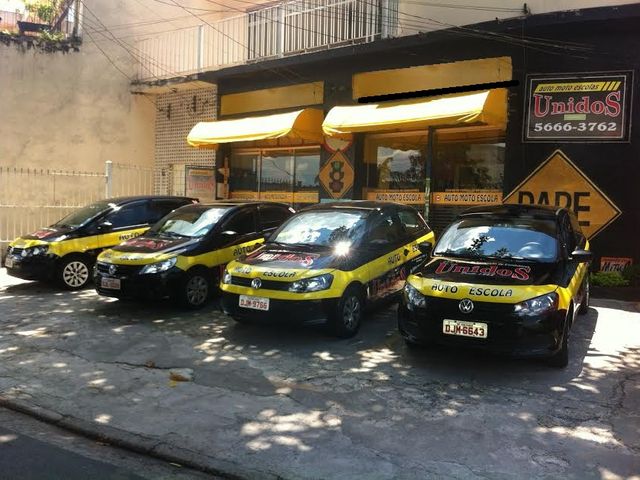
487,107
303,124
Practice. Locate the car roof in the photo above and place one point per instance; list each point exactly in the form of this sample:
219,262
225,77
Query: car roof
135,198
354,205
517,210
241,203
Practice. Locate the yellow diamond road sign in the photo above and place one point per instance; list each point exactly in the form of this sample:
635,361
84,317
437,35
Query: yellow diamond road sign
337,175
558,181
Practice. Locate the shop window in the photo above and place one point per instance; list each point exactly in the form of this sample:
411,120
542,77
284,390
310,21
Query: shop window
468,160
276,172
396,162
243,172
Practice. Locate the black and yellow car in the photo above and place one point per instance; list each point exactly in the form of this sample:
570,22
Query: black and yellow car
326,263
183,255
508,278
66,250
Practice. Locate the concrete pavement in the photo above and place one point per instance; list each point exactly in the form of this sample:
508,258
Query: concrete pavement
282,402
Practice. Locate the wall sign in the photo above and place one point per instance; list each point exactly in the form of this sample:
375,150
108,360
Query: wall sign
399,196
615,264
336,176
200,182
558,181
579,107
467,197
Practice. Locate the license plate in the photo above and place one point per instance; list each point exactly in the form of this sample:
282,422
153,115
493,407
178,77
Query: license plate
255,303
464,329
8,262
110,283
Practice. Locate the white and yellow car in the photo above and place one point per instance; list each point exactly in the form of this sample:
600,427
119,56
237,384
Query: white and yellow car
66,250
327,263
509,278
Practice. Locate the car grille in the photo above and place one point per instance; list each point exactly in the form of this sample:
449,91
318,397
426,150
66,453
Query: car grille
449,308
266,284
121,270
15,251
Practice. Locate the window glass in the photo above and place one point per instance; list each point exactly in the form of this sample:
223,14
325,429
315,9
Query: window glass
462,162
396,162
503,238
307,168
385,230
193,221
272,217
276,172
322,228
130,215
243,172
82,216
411,222
159,208
242,222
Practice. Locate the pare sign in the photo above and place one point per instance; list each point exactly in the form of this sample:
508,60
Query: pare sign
558,181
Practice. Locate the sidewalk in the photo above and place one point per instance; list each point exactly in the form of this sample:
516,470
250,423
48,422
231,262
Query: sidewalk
275,402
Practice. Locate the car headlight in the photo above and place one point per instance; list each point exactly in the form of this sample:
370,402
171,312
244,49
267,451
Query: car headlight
226,278
34,251
158,267
313,284
538,305
413,297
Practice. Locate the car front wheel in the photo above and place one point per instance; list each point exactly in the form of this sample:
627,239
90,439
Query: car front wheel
346,319
74,272
196,290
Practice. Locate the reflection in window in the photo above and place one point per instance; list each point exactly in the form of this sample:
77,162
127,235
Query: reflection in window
396,162
307,168
243,172
468,163
277,172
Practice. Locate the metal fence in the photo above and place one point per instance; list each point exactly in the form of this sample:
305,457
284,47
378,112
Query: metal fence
287,28
33,198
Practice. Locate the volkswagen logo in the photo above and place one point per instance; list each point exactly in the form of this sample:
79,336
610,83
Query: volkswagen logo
466,306
256,283
112,269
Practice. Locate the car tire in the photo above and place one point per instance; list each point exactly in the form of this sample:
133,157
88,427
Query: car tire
584,306
345,321
560,359
74,272
196,289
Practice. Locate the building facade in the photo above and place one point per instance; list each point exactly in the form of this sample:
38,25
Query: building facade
535,107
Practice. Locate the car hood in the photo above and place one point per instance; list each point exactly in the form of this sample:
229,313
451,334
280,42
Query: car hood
155,244
292,257
489,272
48,234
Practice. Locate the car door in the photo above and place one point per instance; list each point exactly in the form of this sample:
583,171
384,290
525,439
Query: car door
415,231
238,234
383,244
123,223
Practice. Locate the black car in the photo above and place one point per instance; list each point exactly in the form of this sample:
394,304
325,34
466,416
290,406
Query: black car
326,263
66,250
183,255
508,278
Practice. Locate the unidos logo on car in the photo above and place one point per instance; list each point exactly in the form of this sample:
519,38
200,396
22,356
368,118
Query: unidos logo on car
515,272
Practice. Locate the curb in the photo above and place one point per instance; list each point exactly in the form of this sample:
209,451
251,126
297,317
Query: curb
137,443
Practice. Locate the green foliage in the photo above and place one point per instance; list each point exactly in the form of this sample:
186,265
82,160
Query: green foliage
44,9
49,36
608,279
632,275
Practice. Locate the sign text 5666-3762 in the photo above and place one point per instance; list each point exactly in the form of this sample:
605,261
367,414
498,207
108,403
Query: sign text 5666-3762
577,107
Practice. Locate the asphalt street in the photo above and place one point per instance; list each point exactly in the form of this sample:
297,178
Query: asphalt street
271,401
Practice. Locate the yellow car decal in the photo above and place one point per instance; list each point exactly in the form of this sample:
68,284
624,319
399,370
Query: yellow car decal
341,279
81,244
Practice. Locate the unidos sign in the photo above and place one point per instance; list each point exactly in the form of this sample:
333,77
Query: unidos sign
578,107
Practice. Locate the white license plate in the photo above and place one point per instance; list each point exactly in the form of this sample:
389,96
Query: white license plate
255,303
110,283
464,329
8,262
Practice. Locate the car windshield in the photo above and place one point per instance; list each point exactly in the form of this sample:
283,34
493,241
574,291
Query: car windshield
321,228
192,221
518,239
82,216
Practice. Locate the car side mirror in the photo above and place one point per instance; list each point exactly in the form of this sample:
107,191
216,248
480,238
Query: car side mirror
581,256
105,226
425,248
